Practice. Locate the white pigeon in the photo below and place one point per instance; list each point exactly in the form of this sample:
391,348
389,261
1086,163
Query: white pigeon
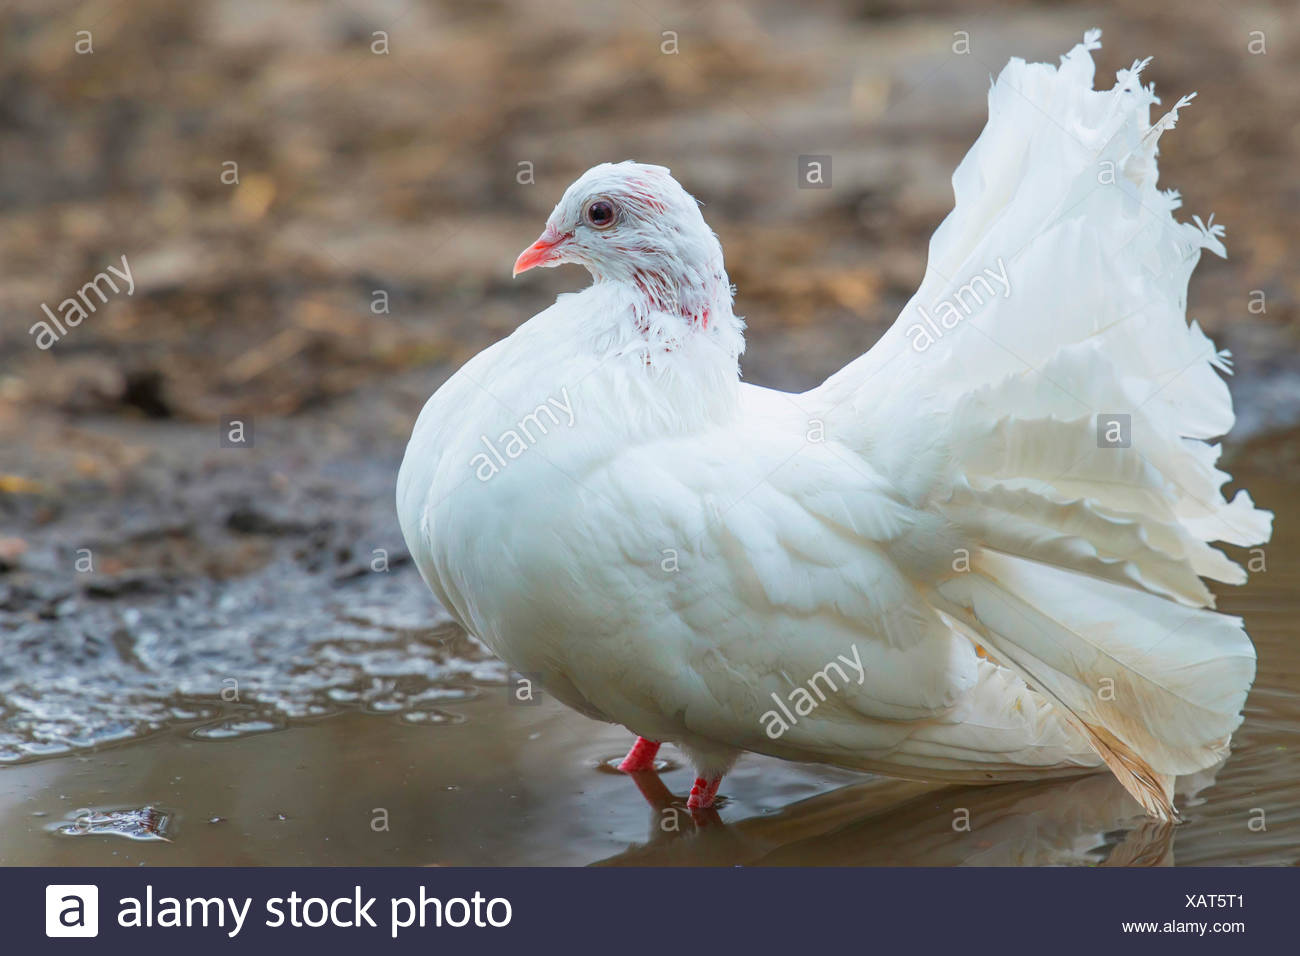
973,554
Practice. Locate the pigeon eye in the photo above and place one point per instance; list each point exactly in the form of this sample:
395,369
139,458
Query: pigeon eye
600,213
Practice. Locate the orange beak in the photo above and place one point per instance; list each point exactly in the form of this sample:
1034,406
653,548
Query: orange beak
543,252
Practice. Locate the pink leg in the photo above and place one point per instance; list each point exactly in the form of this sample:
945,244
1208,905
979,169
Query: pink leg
703,793
640,757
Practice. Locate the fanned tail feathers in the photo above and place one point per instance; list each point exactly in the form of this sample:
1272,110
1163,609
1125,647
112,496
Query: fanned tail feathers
1062,426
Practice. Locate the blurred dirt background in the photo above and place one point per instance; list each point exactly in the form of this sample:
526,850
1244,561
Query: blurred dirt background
403,150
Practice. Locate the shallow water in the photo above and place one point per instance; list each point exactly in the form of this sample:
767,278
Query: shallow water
370,732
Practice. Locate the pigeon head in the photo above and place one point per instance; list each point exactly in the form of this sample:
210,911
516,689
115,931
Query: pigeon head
632,223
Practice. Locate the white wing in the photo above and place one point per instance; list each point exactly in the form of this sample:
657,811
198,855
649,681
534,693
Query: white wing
688,587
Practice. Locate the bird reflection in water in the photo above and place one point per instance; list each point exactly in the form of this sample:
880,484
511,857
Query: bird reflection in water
1089,821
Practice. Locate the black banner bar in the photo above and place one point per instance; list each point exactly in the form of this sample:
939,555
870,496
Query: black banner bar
624,911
